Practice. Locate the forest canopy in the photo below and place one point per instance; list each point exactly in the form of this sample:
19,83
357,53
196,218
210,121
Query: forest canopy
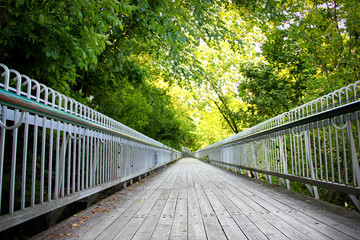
186,73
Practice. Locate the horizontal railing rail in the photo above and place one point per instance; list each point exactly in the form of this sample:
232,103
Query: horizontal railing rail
55,150
317,144
21,103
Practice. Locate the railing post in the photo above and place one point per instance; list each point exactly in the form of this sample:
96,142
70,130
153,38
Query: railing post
266,161
50,119
254,158
6,75
312,189
246,160
284,161
355,163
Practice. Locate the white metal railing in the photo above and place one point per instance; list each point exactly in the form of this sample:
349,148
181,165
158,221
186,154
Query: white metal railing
317,144
54,150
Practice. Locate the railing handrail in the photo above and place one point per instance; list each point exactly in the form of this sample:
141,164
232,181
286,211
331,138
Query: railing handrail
19,102
305,144
58,151
40,88
334,112
330,111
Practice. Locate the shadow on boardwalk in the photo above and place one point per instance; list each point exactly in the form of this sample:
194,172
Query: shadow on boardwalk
194,200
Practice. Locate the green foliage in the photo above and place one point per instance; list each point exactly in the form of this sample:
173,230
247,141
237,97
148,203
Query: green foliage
267,93
95,51
52,40
311,49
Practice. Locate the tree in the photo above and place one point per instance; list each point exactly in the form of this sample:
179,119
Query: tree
95,52
52,41
311,49
267,94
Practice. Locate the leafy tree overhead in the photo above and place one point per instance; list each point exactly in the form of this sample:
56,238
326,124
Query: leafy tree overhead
245,60
53,40
93,50
311,48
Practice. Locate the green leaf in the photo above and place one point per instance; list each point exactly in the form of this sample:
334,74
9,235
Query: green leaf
121,26
19,3
183,38
41,19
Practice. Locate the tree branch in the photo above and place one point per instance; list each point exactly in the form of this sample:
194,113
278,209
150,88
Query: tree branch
229,117
226,119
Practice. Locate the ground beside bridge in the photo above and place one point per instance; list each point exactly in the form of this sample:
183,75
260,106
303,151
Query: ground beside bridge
194,200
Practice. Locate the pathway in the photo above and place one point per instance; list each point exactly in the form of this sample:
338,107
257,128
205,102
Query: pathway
194,200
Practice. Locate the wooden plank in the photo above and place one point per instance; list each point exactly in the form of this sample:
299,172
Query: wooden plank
277,222
296,223
300,214
89,223
322,221
305,225
196,229
179,225
257,218
283,226
244,223
194,200
211,223
95,225
116,226
164,224
228,224
132,225
231,229
147,227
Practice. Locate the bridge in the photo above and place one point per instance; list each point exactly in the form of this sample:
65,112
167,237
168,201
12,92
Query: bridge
55,152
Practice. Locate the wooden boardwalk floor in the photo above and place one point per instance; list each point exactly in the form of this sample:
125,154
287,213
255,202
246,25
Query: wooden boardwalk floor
194,200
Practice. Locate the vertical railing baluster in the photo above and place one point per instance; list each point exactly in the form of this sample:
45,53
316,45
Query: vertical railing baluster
2,149
6,76
87,140
107,158
74,154
13,167
33,181
109,146
14,149
314,147
69,163
337,156
43,147
83,162
97,158
358,139
57,161
92,159
62,162
319,151
25,146
79,164
50,158
24,162
103,160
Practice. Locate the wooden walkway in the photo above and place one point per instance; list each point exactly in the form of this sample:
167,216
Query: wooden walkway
194,200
